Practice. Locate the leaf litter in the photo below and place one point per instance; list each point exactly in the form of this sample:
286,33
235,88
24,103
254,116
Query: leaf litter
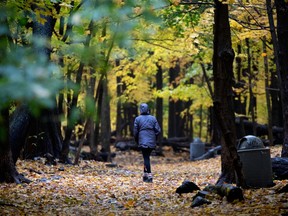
93,188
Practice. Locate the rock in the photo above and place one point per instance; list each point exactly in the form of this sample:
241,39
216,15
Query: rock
187,187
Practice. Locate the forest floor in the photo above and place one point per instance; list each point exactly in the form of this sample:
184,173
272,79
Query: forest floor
93,188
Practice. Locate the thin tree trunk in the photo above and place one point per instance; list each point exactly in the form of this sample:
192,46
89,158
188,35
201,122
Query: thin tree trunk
119,119
105,121
172,110
159,102
70,125
91,91
250,77
201,120
98,99
85,131
207,80
267,93
239,106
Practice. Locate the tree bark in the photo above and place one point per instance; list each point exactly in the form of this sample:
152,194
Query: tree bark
105,121
91,135
175,121
119,119
20,123
98,100
159,103
282,35
49,122
8,171
239,106
276,101
267,93
223,97
250,87
70,125
7,167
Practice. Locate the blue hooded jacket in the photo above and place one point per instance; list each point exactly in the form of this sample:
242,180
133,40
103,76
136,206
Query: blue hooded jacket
146,128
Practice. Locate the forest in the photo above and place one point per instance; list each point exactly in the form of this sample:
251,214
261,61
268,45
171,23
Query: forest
72,77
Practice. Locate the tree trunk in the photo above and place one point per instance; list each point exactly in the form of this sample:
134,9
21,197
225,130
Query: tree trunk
105,121
201,120
20,123
70,125
282,34
159,103
267,93
250,87
43,31
276,101
223,97
91,135
49,117
44,134
175,121
98,100
119,119
239,106
8,172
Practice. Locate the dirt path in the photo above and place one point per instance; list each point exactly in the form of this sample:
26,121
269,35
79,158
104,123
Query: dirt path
92,188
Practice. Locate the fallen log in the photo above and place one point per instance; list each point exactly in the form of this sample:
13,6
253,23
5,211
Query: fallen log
126,145
231,192
280,168
245,127
210,153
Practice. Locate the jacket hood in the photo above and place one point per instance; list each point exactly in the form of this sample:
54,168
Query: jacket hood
144,109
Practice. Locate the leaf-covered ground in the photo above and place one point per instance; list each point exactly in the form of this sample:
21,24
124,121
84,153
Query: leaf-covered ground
92,188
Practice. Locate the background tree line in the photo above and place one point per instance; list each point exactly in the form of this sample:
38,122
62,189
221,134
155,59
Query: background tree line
87,65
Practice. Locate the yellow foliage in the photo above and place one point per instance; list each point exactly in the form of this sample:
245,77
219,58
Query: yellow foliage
157,44
264,54
176,2
227,1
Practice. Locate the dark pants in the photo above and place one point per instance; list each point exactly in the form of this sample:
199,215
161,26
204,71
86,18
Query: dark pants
146,152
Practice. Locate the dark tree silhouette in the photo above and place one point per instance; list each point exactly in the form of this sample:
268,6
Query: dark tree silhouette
223,97
282,34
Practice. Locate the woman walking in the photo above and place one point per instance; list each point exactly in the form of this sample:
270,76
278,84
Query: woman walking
146,130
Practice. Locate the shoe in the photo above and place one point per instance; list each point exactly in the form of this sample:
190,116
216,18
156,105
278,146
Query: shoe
145,177
149,178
